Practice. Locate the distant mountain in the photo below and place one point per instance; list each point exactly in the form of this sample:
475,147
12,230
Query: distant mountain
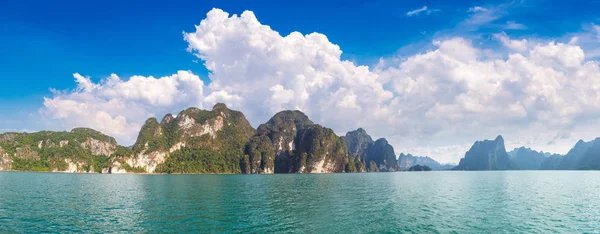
584,155
528,159
376,156
487,155
591,159
406,161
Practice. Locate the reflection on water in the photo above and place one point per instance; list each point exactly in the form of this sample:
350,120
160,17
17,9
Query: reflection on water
512,201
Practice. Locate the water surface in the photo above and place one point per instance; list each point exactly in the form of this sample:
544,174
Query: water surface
424,202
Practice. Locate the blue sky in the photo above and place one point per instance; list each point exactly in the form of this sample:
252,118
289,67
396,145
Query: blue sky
44,42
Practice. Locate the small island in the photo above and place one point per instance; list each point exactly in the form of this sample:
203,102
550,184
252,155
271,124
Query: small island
419,168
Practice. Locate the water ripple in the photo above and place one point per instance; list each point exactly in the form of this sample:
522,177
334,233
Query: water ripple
433,202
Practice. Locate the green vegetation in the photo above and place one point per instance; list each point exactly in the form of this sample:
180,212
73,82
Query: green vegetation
129,168
150,133
261,155
48,151
373,167
198,160
350,167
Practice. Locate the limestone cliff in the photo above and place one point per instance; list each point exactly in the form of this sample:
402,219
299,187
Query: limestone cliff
300,146
195,141
80,150
487,155
369,155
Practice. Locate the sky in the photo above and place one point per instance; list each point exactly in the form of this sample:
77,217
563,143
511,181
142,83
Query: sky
430,76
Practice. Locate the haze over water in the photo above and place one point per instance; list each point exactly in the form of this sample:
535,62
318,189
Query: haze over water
425,202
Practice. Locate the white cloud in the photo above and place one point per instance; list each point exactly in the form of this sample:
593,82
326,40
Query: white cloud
416,11
477,9
573,40
597,29
443,99
512,25
518,45
118,107
422,9
487,17
84,83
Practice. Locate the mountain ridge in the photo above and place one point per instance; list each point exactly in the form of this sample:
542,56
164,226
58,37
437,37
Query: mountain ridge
222,140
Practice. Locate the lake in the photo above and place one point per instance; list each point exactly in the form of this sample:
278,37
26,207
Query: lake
423,202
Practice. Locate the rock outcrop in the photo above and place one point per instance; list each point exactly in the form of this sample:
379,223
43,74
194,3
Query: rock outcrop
299,146
583,156
591,158
487,155
5,160
369,155
195,141
358,142
528,159
80,150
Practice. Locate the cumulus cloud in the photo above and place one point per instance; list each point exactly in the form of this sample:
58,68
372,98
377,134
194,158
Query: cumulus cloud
118,107
440,98
274,72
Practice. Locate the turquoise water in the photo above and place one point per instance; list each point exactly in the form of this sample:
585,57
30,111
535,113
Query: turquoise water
423,202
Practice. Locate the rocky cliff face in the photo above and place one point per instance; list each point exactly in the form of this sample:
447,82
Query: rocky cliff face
81,150
195,141
382,154
5,160
299,145
572,159
583,156
487,155
370,155
260,156
591,158
528,159
358,142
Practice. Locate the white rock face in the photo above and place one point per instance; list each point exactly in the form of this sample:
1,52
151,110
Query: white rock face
268,171
40,144
323,167
280,143
177,146
97,147
117,169
187,122
72,167
212,130
5,161
151,160
63,143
